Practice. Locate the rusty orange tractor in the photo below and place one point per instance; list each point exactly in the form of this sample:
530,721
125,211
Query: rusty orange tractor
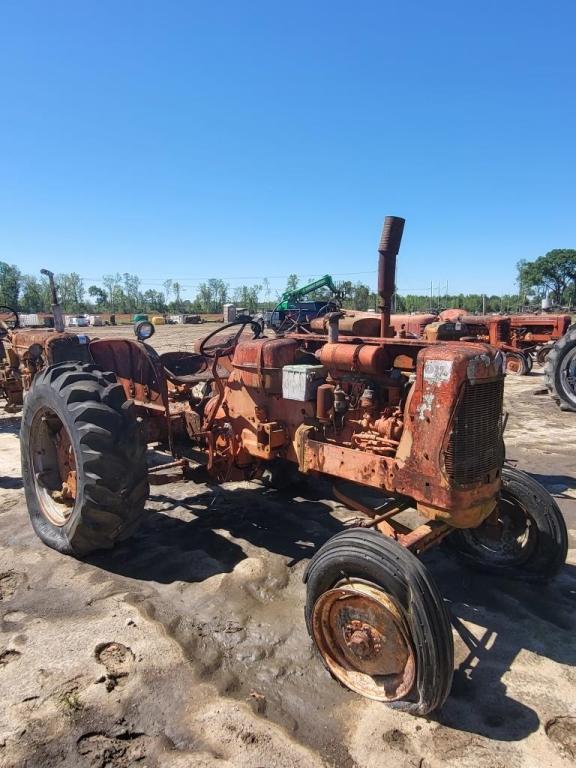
417,423
522,337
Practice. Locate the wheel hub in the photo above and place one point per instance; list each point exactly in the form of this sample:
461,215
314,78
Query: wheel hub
360,632
363,640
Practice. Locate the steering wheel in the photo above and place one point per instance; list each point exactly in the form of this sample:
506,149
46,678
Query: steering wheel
224,346
9,320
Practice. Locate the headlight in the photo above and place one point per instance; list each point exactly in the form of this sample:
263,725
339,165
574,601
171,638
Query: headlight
144,330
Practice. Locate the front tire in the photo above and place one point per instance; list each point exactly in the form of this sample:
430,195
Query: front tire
524,539
516,364
379,622
542,354
83,459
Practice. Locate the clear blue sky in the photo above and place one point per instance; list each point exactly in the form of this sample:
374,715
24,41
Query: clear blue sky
189,139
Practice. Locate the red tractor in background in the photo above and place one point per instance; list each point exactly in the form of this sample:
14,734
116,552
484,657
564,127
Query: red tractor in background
537,334
24,352
408,430
532,335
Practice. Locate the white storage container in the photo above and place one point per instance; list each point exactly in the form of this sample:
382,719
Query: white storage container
300,382
29,320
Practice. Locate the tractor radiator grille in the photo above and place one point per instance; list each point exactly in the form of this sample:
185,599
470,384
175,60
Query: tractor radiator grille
475,449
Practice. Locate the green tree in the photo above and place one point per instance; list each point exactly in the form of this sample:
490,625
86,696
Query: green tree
361,296
71,292
167,284
292,283
113,284
554,273
248,296
131,290
153,301
9,284
176,287
35,295
99,296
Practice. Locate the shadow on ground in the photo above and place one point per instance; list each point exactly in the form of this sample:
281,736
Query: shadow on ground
213,531
10,425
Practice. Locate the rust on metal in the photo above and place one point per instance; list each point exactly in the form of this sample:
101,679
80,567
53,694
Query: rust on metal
388,249
363,639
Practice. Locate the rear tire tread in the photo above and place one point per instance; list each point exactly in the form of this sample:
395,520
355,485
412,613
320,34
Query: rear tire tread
110,451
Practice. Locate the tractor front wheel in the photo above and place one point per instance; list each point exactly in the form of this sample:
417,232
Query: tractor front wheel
525,538
542,354
83,459
516,364
379,622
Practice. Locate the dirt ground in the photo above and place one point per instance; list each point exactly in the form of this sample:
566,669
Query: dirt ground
186,647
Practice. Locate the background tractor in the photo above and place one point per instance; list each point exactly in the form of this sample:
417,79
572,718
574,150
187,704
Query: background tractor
409,431
24,352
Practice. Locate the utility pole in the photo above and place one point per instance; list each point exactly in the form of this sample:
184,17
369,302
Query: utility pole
483,303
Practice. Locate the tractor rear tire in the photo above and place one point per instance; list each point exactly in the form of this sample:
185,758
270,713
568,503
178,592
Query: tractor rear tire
529,542
560,371
101,500
361,580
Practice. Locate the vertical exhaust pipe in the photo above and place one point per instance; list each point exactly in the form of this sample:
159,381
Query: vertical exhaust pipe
56,308
389,246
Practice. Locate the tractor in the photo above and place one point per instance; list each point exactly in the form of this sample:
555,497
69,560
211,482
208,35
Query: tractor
537,334
24,352
493,329
524,338
409,431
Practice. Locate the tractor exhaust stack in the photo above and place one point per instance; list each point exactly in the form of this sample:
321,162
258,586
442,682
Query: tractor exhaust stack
388,249
56,308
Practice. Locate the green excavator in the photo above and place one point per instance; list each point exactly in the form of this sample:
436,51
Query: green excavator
292,309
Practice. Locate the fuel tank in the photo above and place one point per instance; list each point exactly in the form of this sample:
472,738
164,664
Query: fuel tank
259,362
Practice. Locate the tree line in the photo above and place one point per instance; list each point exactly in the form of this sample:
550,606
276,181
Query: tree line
552,275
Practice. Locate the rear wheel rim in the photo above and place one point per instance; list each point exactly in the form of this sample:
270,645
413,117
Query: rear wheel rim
364,641
568,374
54,466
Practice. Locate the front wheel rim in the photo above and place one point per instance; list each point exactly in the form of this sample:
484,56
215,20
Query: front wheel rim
514,364
364,641
507,537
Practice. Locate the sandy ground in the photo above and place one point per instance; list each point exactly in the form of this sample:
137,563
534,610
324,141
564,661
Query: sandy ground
186,646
